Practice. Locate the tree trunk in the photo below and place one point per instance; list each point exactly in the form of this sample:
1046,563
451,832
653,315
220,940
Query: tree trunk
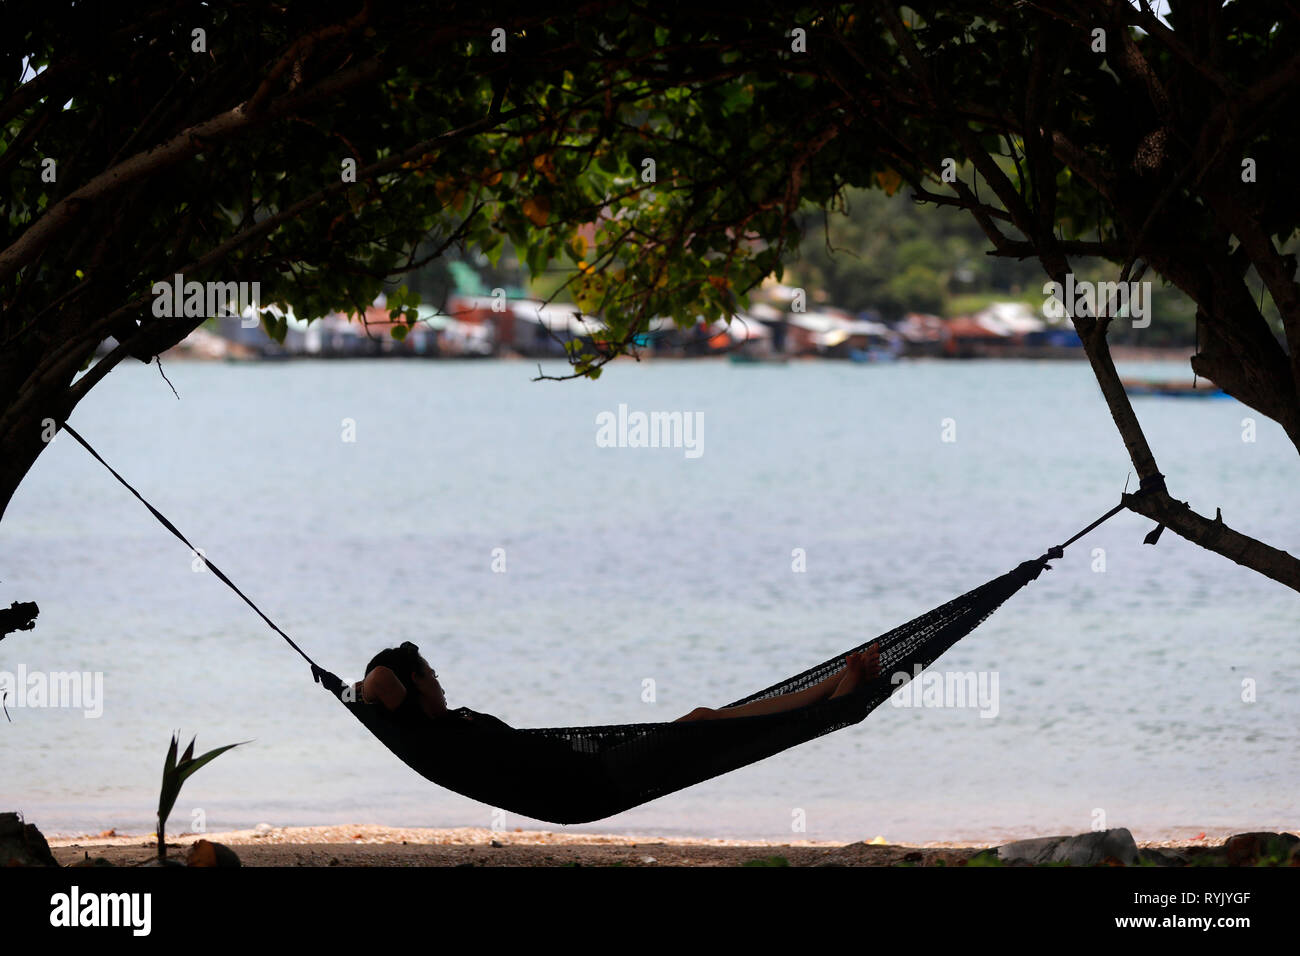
39,387
30,413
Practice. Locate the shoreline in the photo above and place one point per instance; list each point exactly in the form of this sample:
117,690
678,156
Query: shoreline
1120,353
375,845
378,834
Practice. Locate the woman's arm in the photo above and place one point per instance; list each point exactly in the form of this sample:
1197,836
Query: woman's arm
382,685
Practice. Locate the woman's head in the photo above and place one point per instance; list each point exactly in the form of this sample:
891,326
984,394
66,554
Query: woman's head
412,670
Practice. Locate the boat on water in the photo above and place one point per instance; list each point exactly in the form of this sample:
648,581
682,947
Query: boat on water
873,354
1168,389
741,357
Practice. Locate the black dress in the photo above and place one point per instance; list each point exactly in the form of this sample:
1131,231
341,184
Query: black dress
460,720
484,758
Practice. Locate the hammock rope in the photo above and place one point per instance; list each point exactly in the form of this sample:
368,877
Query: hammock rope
316,669
579,774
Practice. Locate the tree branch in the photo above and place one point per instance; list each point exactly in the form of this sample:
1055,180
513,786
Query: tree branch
1213,535
18,617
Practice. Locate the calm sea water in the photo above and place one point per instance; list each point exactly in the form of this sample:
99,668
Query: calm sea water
1119,690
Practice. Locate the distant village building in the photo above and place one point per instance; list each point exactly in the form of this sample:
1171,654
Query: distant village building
480,322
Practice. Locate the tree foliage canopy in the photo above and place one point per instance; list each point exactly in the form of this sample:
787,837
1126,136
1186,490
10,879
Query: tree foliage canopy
213,139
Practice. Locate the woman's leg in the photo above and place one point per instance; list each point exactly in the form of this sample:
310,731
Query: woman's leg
858,668
770,705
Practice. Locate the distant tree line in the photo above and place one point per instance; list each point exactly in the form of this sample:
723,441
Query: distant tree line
889,254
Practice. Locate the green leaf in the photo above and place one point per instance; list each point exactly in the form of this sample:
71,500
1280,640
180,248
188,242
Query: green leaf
492,246
175,774
536,257
276,327
167,799
187,769
170,762
170,786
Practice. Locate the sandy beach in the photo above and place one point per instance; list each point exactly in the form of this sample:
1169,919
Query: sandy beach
371,845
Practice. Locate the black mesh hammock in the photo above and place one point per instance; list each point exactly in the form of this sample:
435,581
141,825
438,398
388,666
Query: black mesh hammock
579,774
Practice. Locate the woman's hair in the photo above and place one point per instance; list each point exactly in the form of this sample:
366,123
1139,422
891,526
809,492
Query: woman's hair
400,660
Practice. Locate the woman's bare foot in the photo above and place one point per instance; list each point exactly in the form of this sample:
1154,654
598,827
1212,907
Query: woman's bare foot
870,659
860,668
854,673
